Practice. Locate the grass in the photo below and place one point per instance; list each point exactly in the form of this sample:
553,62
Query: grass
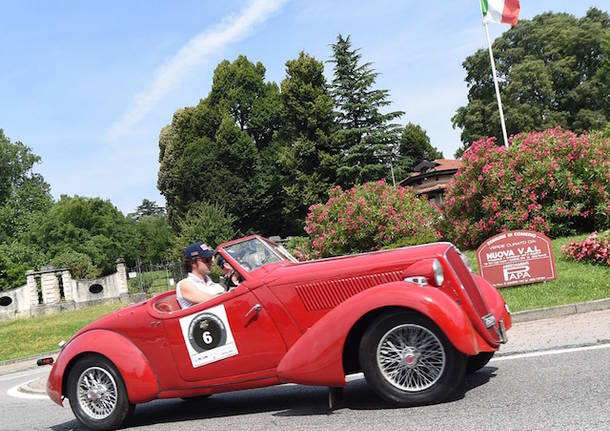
151,282
576,282
26,337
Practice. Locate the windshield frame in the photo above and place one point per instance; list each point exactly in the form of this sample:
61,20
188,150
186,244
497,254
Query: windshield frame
253,265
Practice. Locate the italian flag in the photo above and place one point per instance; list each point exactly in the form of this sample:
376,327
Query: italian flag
500,11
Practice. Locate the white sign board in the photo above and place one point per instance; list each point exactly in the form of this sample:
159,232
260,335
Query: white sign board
208,336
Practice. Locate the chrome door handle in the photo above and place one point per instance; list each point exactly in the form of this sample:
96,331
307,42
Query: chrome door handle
252,314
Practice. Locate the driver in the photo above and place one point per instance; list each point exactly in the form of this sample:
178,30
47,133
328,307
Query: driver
197,286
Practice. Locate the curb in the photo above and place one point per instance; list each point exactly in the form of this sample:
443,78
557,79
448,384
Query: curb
35,387
23,364
561,310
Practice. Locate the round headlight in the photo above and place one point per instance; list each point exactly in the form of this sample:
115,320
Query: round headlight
439,277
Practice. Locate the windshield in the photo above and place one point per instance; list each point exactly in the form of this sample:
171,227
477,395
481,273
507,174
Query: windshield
253,253
281,250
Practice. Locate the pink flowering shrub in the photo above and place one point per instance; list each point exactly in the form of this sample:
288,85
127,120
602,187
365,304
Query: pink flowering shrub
555,182
364,218
595,248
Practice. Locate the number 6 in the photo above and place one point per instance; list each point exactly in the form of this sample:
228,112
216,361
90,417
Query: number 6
207,337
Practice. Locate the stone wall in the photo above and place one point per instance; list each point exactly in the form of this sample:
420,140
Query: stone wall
24,301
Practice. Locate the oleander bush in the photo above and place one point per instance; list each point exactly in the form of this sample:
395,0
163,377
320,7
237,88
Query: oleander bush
555,182
595,249
367,217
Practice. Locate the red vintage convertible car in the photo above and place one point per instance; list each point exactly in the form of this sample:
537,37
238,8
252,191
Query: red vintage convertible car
413,320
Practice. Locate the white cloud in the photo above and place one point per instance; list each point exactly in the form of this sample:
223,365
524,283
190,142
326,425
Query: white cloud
194,53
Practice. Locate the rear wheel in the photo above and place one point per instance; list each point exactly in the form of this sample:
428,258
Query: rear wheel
97,394
477,362
407,360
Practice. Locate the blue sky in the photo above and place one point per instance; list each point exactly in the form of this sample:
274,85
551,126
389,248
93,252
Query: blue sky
88,86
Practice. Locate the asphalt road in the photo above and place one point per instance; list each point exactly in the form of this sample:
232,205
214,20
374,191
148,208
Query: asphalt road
565,389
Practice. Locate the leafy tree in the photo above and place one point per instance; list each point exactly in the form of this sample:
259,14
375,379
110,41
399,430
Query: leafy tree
16,258
80,264
155,239
90,226
219,151
239,89
23,193
366,136
551,72
414,147
309,161
207,223
146,209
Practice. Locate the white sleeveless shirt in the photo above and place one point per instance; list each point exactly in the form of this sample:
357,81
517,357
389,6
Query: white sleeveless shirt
207,286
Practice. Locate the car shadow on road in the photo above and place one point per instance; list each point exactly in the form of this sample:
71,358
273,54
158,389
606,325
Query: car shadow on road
281,401
359,396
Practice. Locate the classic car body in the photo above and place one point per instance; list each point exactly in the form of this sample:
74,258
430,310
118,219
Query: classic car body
414,320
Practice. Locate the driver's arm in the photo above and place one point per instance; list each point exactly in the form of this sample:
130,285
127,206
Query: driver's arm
191,293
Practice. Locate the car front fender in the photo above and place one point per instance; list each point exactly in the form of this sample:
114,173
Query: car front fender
316,358
495,300
140,380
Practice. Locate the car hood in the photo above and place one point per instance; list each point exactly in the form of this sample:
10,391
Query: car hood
344,266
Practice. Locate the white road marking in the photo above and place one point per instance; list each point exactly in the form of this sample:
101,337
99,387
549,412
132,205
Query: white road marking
16,393
550,352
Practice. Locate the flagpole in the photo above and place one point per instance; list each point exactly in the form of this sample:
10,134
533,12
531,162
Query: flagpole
493,69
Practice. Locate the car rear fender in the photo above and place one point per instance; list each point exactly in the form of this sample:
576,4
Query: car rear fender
316,358
140,380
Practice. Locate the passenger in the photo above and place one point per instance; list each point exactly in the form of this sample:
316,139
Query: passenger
197,286
230,278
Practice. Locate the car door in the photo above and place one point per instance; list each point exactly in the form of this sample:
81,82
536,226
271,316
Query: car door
223,339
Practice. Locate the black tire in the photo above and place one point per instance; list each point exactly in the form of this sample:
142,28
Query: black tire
477,362
112,408
408,375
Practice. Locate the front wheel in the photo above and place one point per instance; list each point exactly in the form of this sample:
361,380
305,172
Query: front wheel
97,394
408,361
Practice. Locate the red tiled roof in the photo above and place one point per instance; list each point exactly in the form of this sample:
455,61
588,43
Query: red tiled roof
445,164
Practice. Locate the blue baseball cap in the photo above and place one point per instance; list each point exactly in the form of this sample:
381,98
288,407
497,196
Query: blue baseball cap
198,250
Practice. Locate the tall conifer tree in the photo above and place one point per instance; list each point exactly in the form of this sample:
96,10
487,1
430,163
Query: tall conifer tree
367,137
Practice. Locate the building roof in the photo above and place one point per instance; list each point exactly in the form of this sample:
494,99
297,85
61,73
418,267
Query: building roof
426,168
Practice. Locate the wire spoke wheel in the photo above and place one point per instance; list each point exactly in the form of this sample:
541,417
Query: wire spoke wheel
410,357
409,361
97,393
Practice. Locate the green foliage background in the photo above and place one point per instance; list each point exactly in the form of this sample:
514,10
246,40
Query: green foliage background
553,71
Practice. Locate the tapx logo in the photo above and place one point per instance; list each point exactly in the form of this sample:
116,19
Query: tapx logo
516,271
